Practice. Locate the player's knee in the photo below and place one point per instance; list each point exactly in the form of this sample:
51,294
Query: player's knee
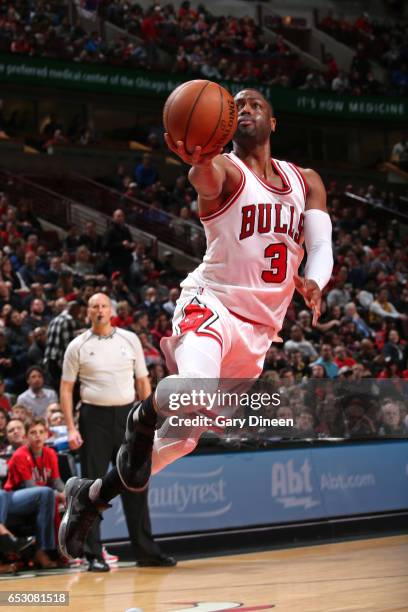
185,393
167,451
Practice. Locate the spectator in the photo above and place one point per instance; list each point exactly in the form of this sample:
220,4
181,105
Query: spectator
9,544
145,174
150,304
61,331
8,275
340,84
32,271
34,466
298,365
304,424
339,295
297,342
123,319
90,238
15,432
285,431
329,320
141,324
351,313
156,373
357,423
120,291
275,359
37,397
17,333
399,155
392,423
390,370
395,349
72,240
35,354
326,360
330,420
161,329
367,356
304,320
4,398
381,308
65,286
170,306
21,412
84,266
37,317
288,381
56,419
8,299
151,354
4,418
341,359
118,243
54,271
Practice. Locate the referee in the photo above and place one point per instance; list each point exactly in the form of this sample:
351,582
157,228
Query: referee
109,363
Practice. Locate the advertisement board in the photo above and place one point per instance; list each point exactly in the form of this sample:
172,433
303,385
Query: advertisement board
207,492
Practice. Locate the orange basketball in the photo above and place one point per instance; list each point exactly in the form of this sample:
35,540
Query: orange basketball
200,113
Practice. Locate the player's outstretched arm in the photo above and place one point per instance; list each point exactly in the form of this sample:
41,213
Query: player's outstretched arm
318,242
207,173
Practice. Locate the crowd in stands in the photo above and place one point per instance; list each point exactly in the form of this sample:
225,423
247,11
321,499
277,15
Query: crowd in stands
197,44
385,43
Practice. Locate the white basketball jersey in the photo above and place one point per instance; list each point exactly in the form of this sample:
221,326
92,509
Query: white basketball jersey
254,245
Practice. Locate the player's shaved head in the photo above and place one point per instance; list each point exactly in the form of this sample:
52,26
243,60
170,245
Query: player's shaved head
254,93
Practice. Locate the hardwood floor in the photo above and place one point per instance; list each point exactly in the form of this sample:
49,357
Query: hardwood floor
361,575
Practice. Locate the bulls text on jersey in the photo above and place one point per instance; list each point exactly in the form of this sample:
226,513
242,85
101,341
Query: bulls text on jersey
266,218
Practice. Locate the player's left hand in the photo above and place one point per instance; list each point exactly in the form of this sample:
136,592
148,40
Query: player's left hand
311,294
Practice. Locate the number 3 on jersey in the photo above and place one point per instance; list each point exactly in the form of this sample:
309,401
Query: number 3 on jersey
278,253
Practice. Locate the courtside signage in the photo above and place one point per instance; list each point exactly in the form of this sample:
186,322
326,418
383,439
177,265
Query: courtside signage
205,492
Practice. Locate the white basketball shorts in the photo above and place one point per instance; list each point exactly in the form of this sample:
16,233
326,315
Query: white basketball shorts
243,344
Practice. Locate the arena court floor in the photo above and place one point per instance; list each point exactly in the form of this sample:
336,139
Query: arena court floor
361,575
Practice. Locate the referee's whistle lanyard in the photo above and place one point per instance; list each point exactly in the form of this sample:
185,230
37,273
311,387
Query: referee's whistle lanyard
108,337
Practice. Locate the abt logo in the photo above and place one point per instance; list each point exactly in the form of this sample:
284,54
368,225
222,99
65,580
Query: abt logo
293,488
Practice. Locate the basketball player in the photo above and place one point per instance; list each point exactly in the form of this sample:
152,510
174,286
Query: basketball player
256,211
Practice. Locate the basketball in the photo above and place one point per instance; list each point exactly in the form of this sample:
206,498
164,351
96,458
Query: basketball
200,113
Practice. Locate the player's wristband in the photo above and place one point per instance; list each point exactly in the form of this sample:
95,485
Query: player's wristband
318,242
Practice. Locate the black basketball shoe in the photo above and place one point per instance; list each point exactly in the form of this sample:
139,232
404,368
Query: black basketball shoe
134,459
79,517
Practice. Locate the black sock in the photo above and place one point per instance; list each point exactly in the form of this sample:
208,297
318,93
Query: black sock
111,482
147,415
111,486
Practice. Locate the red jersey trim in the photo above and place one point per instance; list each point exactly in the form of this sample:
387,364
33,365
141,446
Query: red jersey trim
230,201
244,319
287,187
209,335
303,181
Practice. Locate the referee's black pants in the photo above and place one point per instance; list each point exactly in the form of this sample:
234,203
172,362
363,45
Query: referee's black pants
102,429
